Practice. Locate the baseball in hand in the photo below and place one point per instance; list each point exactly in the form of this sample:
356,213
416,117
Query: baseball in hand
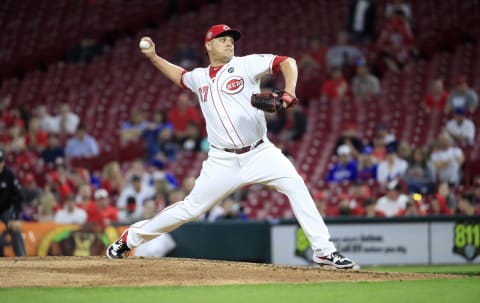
144,44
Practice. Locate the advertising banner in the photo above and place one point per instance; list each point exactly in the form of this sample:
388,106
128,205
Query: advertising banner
50,239
385,243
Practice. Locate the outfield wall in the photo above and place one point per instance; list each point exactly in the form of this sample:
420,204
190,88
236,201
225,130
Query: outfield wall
444,240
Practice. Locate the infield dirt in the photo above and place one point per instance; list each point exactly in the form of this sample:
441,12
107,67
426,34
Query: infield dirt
100,271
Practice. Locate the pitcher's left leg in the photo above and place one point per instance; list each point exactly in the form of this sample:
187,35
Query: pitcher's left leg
269,166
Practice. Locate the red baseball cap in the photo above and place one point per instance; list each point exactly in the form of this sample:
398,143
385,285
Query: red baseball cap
219,29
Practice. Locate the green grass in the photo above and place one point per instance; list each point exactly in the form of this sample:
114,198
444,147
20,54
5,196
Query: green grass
438,291
473,269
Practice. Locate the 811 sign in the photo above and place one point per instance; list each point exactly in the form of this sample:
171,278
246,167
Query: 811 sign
466,241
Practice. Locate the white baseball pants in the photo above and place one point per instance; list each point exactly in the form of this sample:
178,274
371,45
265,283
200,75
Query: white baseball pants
224,172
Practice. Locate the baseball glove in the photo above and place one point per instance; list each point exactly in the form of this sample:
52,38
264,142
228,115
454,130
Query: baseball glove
273,102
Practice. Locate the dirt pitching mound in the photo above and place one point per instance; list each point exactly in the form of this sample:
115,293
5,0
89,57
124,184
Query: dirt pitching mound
100,271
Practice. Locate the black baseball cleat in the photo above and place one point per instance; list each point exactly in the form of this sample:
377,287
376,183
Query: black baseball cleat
119,249
334,259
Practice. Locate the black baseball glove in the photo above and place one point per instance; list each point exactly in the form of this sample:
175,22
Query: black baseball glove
273,102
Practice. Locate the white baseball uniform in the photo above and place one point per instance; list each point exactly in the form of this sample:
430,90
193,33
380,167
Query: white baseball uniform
233,123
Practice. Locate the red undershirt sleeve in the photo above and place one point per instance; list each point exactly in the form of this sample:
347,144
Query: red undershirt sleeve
276,63
182,84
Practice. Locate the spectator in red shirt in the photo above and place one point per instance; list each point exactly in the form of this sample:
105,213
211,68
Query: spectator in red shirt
443,202
396,42
100,211
112,178
314,57
436,98
336,87
325,208
36,137
183,113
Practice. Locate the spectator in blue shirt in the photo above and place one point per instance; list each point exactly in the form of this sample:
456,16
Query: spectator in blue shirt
367,165
345,169
82,144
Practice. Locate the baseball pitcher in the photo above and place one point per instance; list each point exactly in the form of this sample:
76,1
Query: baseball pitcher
240,154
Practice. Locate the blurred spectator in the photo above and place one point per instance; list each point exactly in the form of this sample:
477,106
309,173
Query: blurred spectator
31,193
227,209
446,160
112,178
47,122
392,167
466,205
181,114
345,169
357,194
132,129
365,84
157,172
100,211
462,96
187,184
193,139
84,196
36,137
395,43
336,87
413,208
149,209
132,197
48,203
320,198
176,195
85,50
362,20
351,138
385,132
289,125
6,116
314,58
60,181
443,201
342,54
167,147
404,150
137,167
81,176
419,176
369,208
367,165
393,203
186,56
14,140
66,122
52,151
379,148
399,5
70,213
461,128
436,98
152,131
82,144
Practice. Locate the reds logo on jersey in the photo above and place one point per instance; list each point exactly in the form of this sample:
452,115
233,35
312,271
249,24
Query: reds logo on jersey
233,85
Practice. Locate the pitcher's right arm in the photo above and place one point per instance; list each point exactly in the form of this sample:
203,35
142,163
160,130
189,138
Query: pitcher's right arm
171,71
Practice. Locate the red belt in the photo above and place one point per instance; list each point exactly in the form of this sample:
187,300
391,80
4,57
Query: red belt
241,150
